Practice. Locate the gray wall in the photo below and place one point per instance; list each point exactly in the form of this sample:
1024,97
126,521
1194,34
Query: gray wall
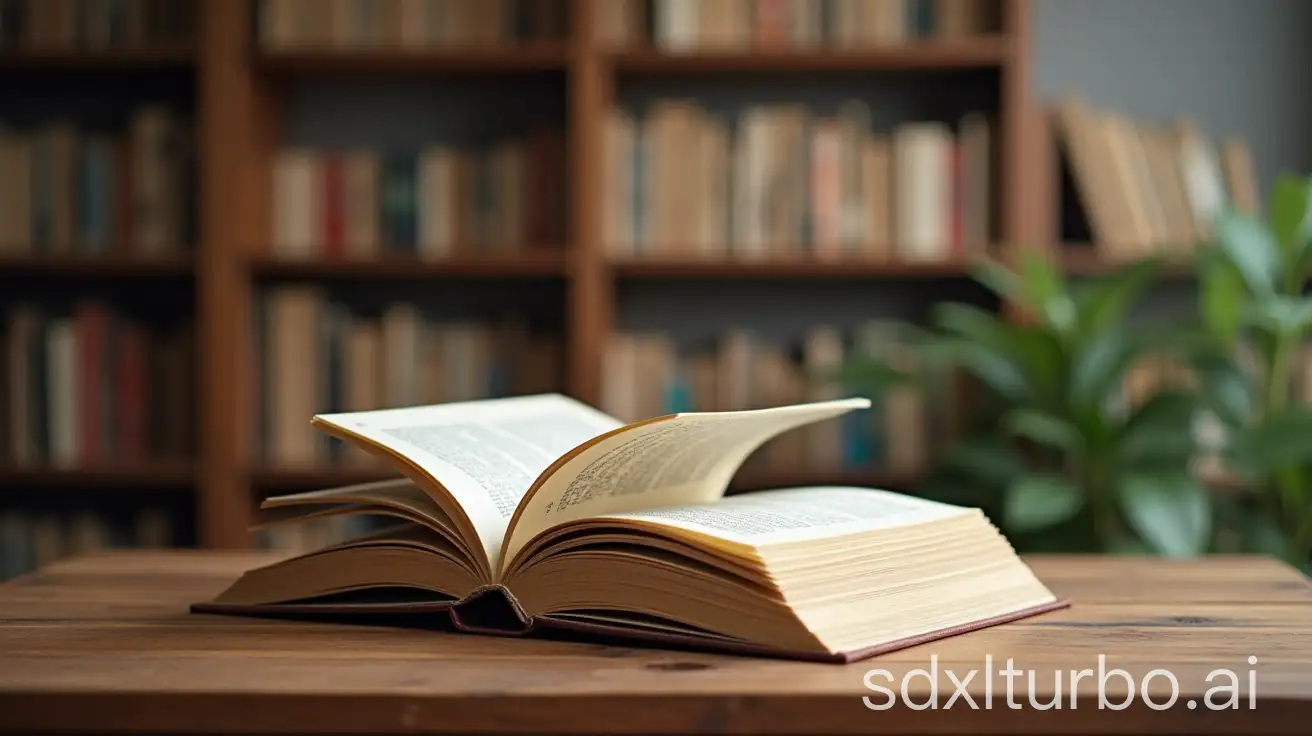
1238,67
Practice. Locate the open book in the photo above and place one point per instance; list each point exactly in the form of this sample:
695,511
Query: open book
541,512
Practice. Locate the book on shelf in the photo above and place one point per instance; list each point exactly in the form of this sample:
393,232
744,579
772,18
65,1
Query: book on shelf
93,386
317,354
648,374
33,539
433,203
681,26
95,25
540,512
71,192
1150,188
408,25
781,182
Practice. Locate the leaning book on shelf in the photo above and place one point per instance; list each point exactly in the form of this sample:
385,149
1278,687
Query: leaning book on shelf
540,512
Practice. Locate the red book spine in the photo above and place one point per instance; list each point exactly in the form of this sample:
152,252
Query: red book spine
334,207
772,24
132,392
90,321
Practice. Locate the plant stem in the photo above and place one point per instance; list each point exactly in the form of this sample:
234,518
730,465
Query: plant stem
1101,500
1277,388
1277,397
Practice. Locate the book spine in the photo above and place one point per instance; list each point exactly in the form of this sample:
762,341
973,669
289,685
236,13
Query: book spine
399,215
334,207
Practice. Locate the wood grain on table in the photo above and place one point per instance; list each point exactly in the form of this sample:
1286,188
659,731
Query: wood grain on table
106,644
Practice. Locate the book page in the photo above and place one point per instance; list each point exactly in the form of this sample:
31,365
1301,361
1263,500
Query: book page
485,454
677,460
799,514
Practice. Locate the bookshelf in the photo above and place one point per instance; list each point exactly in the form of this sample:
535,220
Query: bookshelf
246,111
97,271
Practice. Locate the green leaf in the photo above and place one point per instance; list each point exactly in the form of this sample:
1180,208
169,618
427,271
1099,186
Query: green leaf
1043,428
1278,315
1103,302
996,371
979,325
1221,292
1288,215
1038,501
1227,389
1043,361
999,279
989,460
1099,364
1031,352
869,374
1161,429
1252,249
1171,513
1263,536
1283,440
1043,282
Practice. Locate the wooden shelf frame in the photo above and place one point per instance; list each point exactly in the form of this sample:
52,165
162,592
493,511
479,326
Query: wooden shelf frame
533,57
239,104
99,267
674,268
529,264
179,475
140,58
974,53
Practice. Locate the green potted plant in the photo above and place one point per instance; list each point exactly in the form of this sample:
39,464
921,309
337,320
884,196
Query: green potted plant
1053,452
1257,318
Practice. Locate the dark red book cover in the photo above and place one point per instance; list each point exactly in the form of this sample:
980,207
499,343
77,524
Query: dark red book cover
90,319
334,207
132,391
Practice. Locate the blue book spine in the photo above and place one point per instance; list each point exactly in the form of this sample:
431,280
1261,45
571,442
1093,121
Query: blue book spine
678,395
96,178
399,215
858,438
920,18
498,379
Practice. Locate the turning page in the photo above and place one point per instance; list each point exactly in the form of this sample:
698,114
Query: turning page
486,454
799,514
676,460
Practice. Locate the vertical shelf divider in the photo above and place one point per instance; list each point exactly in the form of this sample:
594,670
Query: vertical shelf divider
234,110
591,302
1021,222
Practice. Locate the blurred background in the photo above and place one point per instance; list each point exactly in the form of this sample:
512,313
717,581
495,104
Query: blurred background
220,217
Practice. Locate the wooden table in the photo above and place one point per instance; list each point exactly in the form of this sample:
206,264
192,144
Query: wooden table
106,644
